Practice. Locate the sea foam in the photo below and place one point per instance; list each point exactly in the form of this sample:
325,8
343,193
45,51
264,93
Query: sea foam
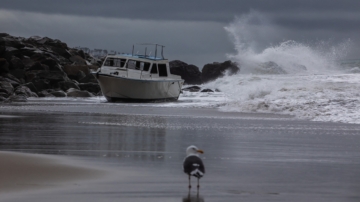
289,77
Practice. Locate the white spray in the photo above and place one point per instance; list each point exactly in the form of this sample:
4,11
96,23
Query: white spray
290,77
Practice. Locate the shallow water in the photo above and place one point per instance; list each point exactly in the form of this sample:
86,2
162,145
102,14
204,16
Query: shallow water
248,157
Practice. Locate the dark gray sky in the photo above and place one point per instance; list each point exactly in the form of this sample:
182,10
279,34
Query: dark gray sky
191,30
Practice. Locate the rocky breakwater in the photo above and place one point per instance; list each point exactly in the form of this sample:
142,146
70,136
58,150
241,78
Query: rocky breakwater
43,67
210,72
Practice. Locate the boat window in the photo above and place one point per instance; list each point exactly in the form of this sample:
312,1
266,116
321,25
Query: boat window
154,69
146,66
115,62
162,70
139,65
131,64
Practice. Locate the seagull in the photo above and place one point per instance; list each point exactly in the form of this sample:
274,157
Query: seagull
193,165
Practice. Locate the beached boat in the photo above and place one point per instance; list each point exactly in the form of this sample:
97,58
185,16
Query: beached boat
134,77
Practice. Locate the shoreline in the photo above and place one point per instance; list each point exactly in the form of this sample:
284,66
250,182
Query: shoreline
22,172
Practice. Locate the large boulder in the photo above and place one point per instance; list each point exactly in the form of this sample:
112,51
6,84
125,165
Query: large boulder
38,66
45,93
24,90
87,79
77,72
77,60
17,98
216,70
16,63
57,93
52,64
11,79
78,93
31,86
6,87
41,84
190,73
11,41
91,87
53,76
4,66
192,89
65,85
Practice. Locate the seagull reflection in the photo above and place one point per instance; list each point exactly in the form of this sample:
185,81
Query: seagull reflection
194,198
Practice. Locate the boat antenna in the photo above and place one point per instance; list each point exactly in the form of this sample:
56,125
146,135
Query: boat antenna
132,53
145,51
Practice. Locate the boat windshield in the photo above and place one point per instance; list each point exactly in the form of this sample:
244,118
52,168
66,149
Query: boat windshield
114,62
139,65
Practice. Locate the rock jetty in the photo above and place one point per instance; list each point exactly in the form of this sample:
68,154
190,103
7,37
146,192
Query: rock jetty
44,67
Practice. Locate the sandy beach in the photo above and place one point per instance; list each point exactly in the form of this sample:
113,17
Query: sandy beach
21,172
248,156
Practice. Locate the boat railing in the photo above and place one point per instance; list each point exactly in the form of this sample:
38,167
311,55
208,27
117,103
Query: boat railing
148,56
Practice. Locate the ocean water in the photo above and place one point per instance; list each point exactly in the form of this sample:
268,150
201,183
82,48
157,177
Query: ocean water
308,80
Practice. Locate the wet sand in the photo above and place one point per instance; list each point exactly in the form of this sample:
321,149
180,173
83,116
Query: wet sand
27,172
248,157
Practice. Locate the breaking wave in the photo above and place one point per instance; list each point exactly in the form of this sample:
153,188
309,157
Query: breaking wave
290,77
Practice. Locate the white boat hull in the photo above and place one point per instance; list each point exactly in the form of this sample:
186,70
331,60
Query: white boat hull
123,88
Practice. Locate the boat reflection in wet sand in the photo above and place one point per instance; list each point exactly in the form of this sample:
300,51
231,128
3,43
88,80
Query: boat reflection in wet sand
134,77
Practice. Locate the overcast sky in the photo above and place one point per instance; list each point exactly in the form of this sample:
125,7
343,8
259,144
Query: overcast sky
192,30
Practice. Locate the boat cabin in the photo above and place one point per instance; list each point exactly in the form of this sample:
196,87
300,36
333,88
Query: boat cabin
138,66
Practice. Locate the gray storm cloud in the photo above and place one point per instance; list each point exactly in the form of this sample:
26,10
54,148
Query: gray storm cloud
193,31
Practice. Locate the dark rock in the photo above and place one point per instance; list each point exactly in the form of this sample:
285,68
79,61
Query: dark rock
53,76
58,93
2,98
192,89
4,34
24,90
18,73
16,63
11,41
17,98
65,85
91,87
77,93
88,79
81,53
52,64
38,57
38,66
3,94
2,50
190,73
41,84
45,93
28,62
216,70
28,51
61,51
73,70
4,66
206,90
31,86
77,60
6,87
11,79
80,75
